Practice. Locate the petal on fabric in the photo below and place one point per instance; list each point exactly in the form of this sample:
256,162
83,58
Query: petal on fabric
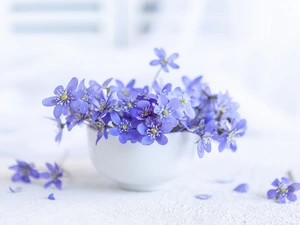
115,131
48,102
173,56
242,188
115,117
272,194
162,139
16,190
57,184
147,140
25,179
16,177
57,111
203,196
72,85
58,89
281,200
45,175
13,167
155,62
275,183
142,129
200,149
294,187
291,196
173,65
34,173
222,145
51,197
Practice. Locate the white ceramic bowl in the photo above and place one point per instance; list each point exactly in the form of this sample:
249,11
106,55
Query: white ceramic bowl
136,167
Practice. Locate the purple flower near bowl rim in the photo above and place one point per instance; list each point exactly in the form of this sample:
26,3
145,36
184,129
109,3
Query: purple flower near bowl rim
154,131
63,98
228,137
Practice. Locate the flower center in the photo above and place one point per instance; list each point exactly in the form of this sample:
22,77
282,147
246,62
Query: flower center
165,60
153,131
124,127
183,101
64,97
165,112
24,170
125,91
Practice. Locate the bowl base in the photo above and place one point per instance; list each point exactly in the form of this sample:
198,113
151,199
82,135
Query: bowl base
141,188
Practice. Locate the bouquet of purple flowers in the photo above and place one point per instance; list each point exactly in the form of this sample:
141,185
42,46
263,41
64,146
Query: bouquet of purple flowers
146,115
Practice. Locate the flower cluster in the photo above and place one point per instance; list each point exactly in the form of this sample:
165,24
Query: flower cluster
147,114
23,172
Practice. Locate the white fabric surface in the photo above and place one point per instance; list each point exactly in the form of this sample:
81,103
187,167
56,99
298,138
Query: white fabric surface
89,198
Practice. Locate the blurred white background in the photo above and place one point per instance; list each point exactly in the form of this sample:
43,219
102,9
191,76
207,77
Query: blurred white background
250,48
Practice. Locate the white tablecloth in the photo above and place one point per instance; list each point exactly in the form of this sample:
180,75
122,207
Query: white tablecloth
89,198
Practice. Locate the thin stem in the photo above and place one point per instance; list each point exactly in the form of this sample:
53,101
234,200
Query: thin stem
156,76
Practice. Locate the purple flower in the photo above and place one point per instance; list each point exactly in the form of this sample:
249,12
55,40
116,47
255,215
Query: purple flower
101,124
127,102
186,102
225,108
64,97
162,91
168,110
242,188
89,97
122,88
103,105
228,138
144,109
164,60
97,86
283,190
125,129
205,130
192,84
154,131
54,174
23,172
